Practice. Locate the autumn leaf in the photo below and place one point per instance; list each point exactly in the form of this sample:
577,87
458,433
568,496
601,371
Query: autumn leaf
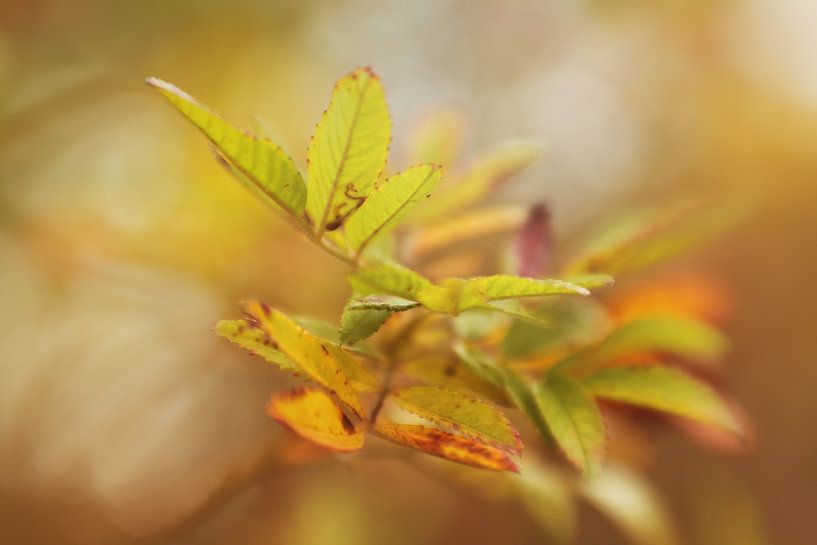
323,362
256,341
464,450
574,421
271,172
348,151
663,389
389,203
459,412
312,414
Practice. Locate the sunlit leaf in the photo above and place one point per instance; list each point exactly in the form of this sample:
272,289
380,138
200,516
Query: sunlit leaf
256,341
459,412
348,151
464,450
388,278
262,162
677,335
663,389
574,421
627,499
485,175
389,203
329,332
319,359
312,414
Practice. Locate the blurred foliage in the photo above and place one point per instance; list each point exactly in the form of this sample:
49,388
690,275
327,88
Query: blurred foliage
123,420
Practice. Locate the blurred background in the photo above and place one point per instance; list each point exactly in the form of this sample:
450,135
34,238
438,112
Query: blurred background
123,419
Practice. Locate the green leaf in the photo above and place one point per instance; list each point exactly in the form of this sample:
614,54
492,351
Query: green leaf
639,238
363,316
571,322
320,360
518,389
663,389
348,151
388,278
356,325
506,286
459,412
485,175
272,173
389,203
574,421
661,333
256,341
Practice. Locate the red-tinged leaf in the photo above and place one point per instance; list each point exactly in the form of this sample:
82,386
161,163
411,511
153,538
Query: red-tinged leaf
534,243
463,450
313,415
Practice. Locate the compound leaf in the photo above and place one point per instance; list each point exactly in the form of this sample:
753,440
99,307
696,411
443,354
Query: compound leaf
269,169
319,359
312,414
389,203
464,450
663,389
459,412
348,151
574,421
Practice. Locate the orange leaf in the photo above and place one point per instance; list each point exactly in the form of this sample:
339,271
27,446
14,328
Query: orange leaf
313,415
464,450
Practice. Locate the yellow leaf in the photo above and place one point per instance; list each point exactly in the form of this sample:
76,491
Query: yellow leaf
389,203
319,359
348,151
256,341
271,172
464,450
313,415
459,412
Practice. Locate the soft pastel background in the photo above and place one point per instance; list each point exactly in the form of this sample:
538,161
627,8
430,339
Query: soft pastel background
124,420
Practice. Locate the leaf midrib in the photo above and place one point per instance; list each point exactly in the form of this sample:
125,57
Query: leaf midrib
342,163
